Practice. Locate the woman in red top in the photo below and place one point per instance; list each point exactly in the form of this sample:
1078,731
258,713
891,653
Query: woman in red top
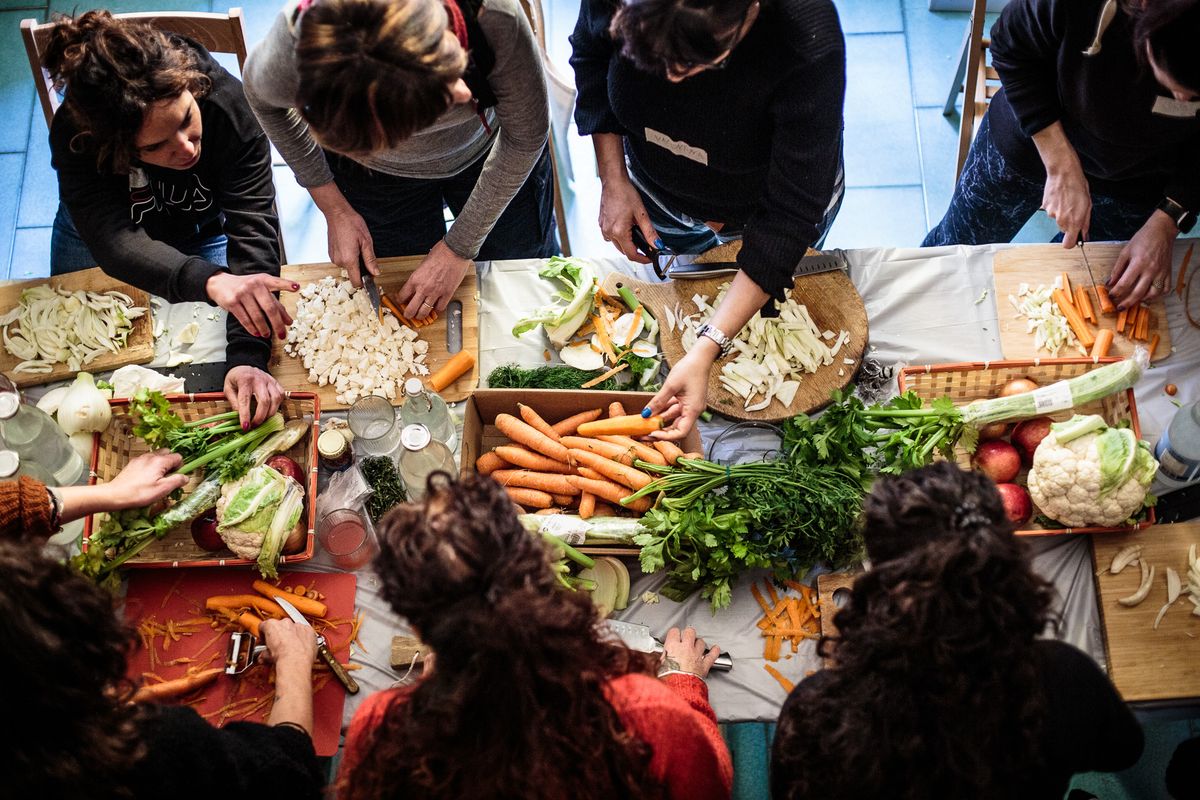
529,699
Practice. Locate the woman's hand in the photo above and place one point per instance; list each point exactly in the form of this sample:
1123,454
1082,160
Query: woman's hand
292,648
145,480
684,394
250,299
246,383
621,208
434,282
684,652
288,643
1066,197
1143,269
350,244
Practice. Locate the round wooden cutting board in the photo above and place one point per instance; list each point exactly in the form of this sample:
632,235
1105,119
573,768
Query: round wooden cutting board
832,301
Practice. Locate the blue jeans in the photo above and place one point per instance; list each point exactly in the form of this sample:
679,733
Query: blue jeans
69,253
992,202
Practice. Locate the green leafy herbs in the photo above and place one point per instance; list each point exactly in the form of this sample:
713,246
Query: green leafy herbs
387,489
159,426
550,376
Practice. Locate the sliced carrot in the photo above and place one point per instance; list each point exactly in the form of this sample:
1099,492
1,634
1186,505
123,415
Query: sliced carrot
587,505
1104,339
570,425
771,592
249,622
1083,302
305,605
535,419
549,482
599,379
637,320
762,601
1082,332
605,339
1106,303
1153,344
531,498
527,459
1142,324
1066,286
489,463
523,433
459,364
1122,319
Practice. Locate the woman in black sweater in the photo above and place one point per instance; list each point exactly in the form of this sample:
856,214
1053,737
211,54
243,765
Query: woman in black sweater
940,686
1096,123
714,120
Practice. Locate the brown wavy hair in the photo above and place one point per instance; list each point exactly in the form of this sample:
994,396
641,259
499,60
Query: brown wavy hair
374,72
934,692
1168,29
516,706
660,36
64,669
113,71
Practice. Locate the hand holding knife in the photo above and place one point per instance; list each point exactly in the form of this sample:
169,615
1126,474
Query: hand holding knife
323,650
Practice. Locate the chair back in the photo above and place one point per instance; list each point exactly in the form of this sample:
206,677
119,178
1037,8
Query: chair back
980,84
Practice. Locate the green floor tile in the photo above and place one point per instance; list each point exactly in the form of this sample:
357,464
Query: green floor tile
16,81
939,150
39,192
11,165
881,136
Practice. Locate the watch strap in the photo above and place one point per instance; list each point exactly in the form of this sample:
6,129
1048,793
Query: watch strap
712,332
1184,219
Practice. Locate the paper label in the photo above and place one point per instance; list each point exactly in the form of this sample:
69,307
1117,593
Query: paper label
571,530
1055,397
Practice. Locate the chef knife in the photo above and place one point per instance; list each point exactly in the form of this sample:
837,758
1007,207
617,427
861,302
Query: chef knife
368,282
1086,263
323,650
686,267
637,637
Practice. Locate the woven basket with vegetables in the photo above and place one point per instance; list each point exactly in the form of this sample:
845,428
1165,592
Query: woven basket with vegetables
185,533
1068,463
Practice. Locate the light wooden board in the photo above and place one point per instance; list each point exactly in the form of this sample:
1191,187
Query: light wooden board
393,273
138,349
1143,663
829,585
1040,265
832,301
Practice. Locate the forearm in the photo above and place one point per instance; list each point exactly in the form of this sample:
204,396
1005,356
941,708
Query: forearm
610,156
329,199
741,303
1056,151
293,696
80,501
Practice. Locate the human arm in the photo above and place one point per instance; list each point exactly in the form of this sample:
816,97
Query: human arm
621,205
1066,197
1142,271
292,648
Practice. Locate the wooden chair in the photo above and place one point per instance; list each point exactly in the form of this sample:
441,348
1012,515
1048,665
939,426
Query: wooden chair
977,81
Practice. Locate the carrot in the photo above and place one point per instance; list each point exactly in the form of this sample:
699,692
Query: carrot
387,302
180,686
1104,339
236,601
587,505
305,605
1154,346
1149,323
637,320
535,419
568,426
1122,318
611,450
605,339
643,451
694,456
1083,302
526,459
488,463
529,497
612,492
551,483
523,433
615,409
565,500
604,510
1077,323
1142,324
602,378
249,622
669,451
1066,286
762,601
1106,303
590,473
452,370
1180,282
628,425
627,476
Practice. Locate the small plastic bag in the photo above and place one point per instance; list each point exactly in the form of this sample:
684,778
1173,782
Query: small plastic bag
346,489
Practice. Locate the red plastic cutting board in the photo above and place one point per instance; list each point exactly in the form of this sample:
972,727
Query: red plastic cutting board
179,595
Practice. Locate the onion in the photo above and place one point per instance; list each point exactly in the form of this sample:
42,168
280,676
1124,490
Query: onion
1017,386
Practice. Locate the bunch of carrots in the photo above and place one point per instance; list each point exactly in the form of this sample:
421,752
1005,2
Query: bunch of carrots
1076,306
786,619
582,462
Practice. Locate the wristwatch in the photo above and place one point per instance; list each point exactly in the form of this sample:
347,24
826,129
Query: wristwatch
1184,219
723,341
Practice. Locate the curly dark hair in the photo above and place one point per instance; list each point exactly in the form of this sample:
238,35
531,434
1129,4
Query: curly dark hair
113,71
516,706
64,665
662,36
934,692
1168,29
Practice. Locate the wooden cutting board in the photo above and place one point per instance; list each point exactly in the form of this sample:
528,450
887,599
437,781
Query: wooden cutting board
1143,663
138,349
832,301
1040,265
829,585
393,273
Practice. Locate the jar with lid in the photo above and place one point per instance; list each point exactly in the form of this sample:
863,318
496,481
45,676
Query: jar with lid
420,456
429,409
334,451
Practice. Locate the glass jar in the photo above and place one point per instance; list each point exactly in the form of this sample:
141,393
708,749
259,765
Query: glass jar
421,456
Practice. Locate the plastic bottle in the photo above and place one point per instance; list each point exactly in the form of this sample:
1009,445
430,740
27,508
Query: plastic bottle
421,456
1178,449
36,438
423,407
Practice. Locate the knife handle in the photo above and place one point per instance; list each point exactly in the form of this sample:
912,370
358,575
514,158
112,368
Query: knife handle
339,671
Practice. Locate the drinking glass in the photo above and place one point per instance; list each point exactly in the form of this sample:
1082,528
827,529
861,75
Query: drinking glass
373,423
348,538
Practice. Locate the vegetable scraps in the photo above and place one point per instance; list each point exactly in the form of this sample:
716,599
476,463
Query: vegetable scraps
562,319
54,326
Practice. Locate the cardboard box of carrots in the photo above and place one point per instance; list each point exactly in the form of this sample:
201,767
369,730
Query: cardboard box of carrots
566,451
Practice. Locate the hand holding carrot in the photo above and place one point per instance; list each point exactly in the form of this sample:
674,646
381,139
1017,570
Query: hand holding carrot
288,644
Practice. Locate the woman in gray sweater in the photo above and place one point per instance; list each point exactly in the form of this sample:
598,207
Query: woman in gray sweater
386,110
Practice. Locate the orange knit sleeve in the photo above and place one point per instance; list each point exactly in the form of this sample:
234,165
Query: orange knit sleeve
24,510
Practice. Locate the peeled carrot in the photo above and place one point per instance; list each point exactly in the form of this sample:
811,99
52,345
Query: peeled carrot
1077,322
615,409
627,476
565,500
249,622
1140,326
527,459
1104,339
531,498
452,370
305,605
612,492
549,482
1083,302
522,432
587,505
233,602
1154,345
570,425
535,419
488,463
176,688
617,452
1066,286
643,451
628,425
1122,318
1106,303
669,450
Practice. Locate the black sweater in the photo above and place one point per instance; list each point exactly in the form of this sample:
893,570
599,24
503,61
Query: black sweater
757,143
1134,140
132,230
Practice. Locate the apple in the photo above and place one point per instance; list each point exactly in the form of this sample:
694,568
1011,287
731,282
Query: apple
1017,504
995,430
285,466
1028,435
204,532
999,460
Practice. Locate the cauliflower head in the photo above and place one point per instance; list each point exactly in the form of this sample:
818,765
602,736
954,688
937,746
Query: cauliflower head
1085,473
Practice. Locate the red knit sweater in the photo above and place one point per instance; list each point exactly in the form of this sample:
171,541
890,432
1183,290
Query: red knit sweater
672,715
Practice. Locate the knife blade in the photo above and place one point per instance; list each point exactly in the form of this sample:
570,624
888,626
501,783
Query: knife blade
1086,263
368,282
638,637
323,651
686,267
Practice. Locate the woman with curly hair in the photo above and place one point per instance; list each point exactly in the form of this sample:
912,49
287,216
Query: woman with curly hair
528,699
940,686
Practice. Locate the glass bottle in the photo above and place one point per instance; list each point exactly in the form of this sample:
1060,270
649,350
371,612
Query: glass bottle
12,466
421,456
36,438
1178,449
427,408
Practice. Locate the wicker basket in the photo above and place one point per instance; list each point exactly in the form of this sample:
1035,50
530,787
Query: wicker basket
117,445
981,380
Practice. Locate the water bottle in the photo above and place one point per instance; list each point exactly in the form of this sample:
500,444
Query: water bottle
36,438
420,457
1178,449
423,407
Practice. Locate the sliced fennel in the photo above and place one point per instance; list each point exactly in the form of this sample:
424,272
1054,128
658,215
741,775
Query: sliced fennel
55,326
1044,320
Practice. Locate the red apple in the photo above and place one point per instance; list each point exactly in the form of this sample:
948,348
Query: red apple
996,430
999,460
204,532
1017,504
285,466
1028,435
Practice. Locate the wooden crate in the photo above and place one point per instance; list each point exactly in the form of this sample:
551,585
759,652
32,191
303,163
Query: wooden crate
981,380
117,445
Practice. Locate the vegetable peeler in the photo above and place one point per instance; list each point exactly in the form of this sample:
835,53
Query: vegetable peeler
242,653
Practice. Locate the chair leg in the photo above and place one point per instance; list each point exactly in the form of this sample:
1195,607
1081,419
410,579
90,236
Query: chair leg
960,73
